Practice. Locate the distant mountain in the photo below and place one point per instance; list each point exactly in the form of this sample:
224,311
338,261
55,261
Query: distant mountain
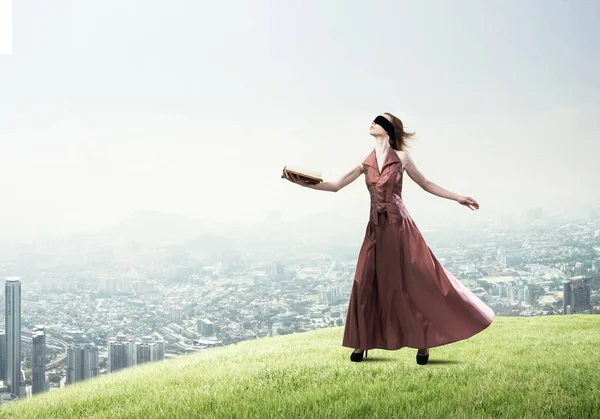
211,247
159,227
151,226
202,237
329,228
320,229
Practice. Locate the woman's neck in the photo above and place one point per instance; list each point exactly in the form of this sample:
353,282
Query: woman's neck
382,144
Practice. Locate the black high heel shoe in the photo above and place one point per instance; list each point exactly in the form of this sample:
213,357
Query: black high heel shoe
422,359
358,356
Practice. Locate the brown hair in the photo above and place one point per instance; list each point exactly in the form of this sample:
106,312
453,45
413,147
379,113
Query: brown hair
399,143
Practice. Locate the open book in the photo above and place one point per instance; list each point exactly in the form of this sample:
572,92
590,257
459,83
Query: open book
309,176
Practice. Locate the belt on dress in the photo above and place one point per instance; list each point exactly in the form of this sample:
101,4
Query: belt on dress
392,209
382,206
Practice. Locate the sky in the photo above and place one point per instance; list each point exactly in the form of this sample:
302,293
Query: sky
194,107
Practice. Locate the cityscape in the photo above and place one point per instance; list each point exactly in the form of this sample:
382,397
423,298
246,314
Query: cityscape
276,209
74,312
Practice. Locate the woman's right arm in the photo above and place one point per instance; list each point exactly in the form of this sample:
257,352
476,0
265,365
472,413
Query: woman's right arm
346,179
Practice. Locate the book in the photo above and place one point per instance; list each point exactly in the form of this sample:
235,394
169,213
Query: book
309,176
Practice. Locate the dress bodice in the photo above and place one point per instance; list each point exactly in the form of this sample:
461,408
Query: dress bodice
385,188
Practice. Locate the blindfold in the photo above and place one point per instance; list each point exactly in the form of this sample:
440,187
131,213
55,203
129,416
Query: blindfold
384,123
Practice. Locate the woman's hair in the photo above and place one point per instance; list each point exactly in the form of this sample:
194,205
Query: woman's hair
399,143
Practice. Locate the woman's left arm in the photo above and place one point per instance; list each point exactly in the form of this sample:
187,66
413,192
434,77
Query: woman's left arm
427,185
434,189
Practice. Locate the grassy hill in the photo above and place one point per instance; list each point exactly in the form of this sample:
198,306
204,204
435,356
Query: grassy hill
517,368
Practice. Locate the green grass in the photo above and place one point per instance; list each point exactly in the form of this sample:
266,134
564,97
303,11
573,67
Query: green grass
517,368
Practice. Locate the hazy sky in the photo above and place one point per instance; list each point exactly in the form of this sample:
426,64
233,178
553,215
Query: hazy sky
108,107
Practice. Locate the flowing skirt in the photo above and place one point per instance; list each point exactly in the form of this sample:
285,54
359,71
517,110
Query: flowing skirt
403,297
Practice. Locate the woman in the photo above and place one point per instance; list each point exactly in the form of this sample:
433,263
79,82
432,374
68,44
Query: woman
401,295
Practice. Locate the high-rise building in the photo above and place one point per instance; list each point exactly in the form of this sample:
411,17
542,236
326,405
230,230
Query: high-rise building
82,363
38,339
12,321
330,294
511,259
205,327
277,271
3,356
149,350
121,352
527,294
176,314
576,296
143,353
109,286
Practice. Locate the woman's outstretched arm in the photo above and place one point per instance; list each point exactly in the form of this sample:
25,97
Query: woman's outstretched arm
330,186
345,180
427,185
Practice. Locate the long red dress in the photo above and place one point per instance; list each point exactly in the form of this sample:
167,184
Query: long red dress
402,295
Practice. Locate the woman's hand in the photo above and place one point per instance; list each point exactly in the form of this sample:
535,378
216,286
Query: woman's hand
294,178
468,202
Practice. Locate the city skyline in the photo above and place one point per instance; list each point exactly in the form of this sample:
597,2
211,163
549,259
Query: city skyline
89,311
